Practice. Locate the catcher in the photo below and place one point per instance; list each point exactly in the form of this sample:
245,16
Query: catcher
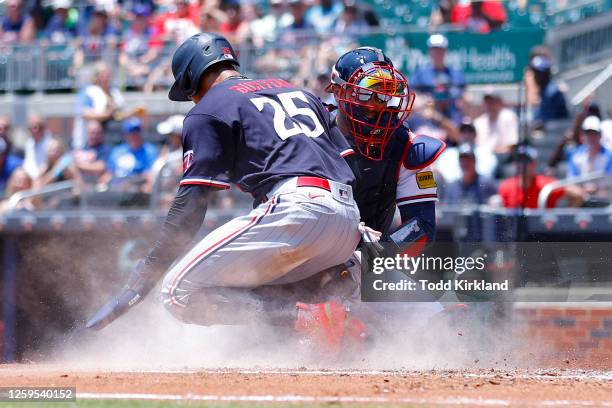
392,167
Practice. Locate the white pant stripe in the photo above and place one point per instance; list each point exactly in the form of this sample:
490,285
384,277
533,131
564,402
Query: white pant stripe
301,237
194,262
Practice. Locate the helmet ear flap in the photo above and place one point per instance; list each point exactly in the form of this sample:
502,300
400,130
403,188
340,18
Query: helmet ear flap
186,83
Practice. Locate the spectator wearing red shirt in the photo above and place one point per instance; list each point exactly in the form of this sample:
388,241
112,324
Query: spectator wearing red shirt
514,195
479,16
178,24
230,26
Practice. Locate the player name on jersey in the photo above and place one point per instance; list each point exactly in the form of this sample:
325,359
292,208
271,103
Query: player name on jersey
259,85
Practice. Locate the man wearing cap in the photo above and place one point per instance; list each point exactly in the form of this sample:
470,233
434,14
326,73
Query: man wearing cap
497,127
444,83
171,153
552,101
172,129
134,157
471,187
591,155
516,194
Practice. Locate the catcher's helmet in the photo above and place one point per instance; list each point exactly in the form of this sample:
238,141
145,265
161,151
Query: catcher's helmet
373,97
350,61
192,58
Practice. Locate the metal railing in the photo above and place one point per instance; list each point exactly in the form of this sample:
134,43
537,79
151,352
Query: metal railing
592,85
297,55
44,67
17,198
158,173
583,42
548,189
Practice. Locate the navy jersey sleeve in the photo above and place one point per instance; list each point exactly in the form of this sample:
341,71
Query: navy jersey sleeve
208,151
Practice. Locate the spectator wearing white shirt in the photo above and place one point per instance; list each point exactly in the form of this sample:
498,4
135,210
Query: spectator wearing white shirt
97,101
497,128
36,147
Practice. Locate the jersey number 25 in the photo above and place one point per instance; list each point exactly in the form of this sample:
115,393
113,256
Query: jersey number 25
298,127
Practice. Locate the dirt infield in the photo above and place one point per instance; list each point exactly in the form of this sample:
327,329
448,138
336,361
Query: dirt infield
490,387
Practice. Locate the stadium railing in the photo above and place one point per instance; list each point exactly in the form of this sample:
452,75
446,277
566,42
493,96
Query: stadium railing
17,198
582,42
45,67
559,184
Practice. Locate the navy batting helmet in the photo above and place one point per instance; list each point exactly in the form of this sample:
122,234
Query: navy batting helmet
193,58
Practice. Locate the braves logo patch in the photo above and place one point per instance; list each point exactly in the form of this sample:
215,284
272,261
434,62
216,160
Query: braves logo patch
187,160
425,179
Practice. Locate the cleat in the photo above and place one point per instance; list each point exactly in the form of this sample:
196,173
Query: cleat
328,329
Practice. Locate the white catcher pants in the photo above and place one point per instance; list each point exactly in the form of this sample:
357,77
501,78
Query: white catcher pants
297,233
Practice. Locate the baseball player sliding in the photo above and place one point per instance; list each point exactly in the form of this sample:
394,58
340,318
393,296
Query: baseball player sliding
271,139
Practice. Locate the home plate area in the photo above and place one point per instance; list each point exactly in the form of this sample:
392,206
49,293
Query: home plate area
302,387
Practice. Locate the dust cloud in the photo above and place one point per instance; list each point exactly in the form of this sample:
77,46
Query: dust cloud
407,337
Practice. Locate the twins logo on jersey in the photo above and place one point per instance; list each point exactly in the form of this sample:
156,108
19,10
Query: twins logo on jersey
187,160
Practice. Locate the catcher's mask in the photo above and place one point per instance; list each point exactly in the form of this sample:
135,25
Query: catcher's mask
375,101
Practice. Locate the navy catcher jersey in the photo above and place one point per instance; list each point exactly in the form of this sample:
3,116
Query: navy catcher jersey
255,133
384,184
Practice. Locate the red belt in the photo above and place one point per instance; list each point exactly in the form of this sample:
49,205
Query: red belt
305,181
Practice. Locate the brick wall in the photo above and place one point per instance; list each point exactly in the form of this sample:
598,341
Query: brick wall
579,334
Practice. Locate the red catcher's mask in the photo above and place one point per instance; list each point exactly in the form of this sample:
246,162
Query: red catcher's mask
375,101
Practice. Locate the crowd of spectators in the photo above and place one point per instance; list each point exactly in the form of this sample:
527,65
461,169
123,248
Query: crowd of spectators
138,29
121,173
139,35
486,161
133,24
